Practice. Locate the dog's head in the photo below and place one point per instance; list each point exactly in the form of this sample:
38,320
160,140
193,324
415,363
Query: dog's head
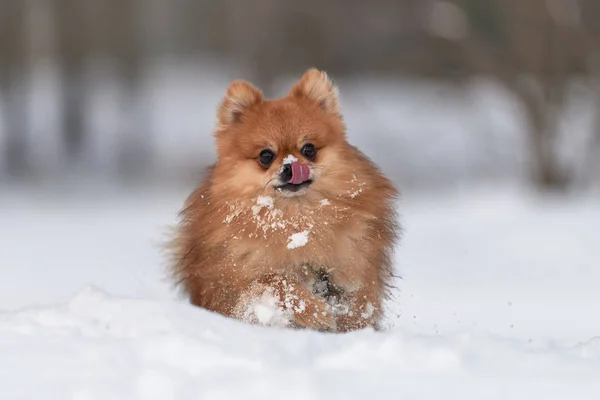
289,147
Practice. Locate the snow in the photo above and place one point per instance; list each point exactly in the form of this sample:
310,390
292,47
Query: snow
498,300
355,193
324,203
298,240
265,201
235,213
266,310
262,201
289,159
262,306
368,312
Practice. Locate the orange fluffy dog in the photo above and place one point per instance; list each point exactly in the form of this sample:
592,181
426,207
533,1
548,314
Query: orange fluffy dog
293,225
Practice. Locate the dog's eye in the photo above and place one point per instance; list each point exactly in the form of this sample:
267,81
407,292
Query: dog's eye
309,151
266,157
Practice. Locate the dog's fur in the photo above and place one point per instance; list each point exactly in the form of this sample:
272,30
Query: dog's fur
233,241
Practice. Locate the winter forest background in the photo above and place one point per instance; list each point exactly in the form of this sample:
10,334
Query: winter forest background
437,91
486,113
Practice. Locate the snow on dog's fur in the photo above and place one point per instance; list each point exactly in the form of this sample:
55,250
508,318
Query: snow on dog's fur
290,213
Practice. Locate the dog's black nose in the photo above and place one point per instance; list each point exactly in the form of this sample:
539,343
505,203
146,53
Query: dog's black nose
286,173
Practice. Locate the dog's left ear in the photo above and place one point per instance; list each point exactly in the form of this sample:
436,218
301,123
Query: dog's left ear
316,86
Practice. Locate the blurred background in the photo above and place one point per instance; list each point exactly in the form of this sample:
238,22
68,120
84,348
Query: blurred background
437,92
485,112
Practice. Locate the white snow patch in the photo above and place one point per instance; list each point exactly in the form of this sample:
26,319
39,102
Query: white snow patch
359,190
324,203
289,159
273,218
265,201
262,202
262,306
235,212
266,310
298,239
368,312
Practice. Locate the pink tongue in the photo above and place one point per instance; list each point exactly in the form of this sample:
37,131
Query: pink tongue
300,173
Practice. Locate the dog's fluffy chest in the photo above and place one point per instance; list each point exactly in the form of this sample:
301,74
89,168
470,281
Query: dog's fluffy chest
321,232
296,226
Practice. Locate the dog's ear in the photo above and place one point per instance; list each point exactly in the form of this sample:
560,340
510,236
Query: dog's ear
316,86
240,96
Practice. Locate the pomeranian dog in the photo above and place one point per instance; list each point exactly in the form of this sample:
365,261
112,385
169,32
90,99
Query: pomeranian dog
292,226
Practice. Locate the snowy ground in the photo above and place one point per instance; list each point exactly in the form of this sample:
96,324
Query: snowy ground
499,300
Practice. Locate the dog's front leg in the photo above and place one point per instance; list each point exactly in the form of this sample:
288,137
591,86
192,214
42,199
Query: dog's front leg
306,310
362,309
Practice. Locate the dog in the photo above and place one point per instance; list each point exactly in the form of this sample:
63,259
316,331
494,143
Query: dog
292,225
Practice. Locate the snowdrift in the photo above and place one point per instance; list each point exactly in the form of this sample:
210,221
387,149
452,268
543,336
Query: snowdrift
102,347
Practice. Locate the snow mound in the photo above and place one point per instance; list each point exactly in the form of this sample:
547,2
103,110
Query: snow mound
98,347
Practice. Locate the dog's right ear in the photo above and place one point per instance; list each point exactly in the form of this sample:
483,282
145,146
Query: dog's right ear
316,86
240,96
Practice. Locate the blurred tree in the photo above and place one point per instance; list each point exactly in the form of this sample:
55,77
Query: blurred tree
72,47
253,39
533,47
589,12
109,30
123,43
12,88
535,55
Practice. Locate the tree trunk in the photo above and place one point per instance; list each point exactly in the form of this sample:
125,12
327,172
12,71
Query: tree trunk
547,172
73,118
16,146
12,75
